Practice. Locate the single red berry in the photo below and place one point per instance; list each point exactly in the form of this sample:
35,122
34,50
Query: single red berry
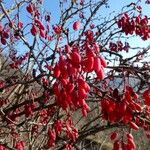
76,25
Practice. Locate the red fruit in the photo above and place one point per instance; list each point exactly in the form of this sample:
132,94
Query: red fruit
129,136
103,61
71,70
76,25
30,8
67,49
20,145
39,24
119,24
84,112
75,57
97,64
97,48
148,135
88,64
90,53
34,30
133,126
112,117
81,101
122,106
146,96
124,146
58,127
111,106
138,107
56,71
100,74
135,96
52,138
92,26
3,41
113,136
69,88
49,38
42,33
82,83
1,27
82,93
128,96
86,107
64,82
2,147
5,35
57,29
20,25
62,62
131,144
56,89
127,117
116,145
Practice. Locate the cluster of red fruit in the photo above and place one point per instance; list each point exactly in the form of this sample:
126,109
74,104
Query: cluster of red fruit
137,25
67,128
119,143
70,87
121,109
3,34
119,46
17,61
37,27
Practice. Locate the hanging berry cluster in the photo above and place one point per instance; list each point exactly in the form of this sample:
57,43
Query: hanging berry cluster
137,25
125,141
119,46
62,127
121,109
38,27
17,61
71,88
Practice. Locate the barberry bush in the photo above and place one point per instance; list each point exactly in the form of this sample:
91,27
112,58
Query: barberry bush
62,81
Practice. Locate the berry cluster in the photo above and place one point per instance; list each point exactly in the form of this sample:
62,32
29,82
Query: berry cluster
17,61
119,143
119,46
70,87
137,25
37,27
121,109
65,127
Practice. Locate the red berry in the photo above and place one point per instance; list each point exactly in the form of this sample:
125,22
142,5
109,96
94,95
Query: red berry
30,8
113,136
76,25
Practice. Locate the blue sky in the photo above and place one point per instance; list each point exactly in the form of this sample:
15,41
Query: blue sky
115,5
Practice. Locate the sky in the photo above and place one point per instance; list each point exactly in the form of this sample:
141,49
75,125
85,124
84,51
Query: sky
115,5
